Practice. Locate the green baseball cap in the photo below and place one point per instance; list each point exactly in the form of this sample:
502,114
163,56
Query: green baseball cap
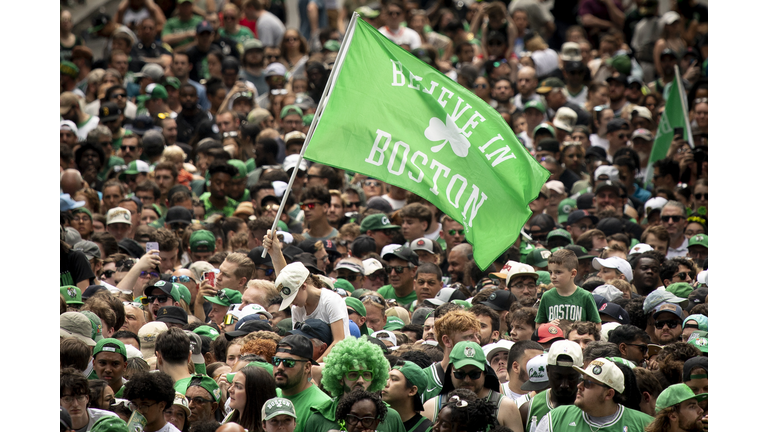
548,84
414,374
202,241
242,172
701,320
463,303
332,45
204,381
675,394
277,406
344,284
565,208
702,343
135,167
95,325
264,365
307,119
538,105
680,289
560,233
226,297
543,277
173,82
356,305
621,63
69,69
157,91
699,240
83,210
110,424
167,287
291,109
205,330
394,323
467,353
115,347
72,295
538,257
183,292
546,127
374,222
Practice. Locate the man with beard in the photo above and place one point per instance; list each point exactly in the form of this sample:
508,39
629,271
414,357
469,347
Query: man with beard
253,65
216,199
457,258
89,159
191,115
502,94
521,280
468,370
678,410
293,375
563,381
203,395
70,110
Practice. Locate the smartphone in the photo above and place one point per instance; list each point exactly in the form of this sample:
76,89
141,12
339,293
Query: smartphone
210,277
153,246
677,131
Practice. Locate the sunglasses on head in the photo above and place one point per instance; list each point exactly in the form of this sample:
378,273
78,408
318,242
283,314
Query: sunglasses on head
674,218
182,279
474,375
672,324
288,363
373,298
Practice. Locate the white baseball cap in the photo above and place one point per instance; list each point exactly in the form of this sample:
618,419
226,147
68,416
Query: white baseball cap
250,309
608,291
640,248
605,372
118,215
537,374
492,349
519,269
655,203
617,263
609,170
289,281
567,348
386,335
371,265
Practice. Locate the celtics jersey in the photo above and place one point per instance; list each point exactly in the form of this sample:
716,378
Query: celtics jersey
435,376
538,407
573,419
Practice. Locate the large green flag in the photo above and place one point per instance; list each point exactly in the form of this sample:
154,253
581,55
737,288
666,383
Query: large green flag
392,117
674,116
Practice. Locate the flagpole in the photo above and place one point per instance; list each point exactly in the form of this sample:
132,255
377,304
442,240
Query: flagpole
320,106
684,102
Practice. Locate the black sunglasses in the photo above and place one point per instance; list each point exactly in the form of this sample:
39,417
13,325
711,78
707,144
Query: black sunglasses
151,299
643,348
397,269
675,218
460,375
682,275
108,273
702,195
672,324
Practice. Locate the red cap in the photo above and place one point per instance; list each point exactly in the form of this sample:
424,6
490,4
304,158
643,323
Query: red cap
548,331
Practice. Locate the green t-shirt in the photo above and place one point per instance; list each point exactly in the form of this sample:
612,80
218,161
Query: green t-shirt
112,161
573,419
175,25
579,306
241,36
435,376
245,198
302,402
227,211
388,292
323,418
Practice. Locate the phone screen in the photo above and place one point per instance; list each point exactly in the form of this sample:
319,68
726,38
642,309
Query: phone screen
153,246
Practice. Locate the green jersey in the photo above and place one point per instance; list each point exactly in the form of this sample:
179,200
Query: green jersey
388,292
538,407
579,306
323,419
227,211
241,36
175,25
310,397
573,419
435,377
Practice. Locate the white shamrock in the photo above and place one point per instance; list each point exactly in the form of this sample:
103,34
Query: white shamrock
447,132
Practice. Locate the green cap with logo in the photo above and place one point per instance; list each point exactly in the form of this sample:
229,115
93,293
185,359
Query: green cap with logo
560,233
69,69
157,91
414,374
242,171
675,394
539,106
374,222
467,353
538,257
394,323
680,289
183,292
565,208
95,325
544,126
204,381
72,295
226,297
344,284
699,240
110,345
548,84
290,109
277,406
205,330
702,343
110,424
202,241
173,82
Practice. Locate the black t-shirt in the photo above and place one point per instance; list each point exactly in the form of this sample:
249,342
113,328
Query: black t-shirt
154,50
410,425
73,268
228,46
568,178
196,57
186,126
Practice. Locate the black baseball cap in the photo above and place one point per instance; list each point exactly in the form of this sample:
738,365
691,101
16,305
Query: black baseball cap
298,345
171,314
314,328
91,290
596,151
178,214
578,215
500,300
255,256
585,201
610,226
404,253
131,248
580,251
616,312
249,327
109,111
620,78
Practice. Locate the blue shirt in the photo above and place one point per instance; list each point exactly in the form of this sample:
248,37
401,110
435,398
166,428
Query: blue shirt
322,17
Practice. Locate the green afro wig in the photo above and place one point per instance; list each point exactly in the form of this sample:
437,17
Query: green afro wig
351,353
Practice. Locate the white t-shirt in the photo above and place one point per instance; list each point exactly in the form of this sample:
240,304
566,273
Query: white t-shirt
90,124
580,98
679,252
596,141
403,36
396,204
330,309
509,393
169,427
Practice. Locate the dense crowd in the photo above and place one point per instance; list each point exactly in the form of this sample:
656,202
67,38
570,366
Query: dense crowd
367,311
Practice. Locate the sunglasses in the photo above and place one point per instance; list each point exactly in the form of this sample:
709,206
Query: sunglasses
682,275
151,299
365,422
482,86
588,383
355,204
108,273
118,96
288,363
182,279
700,100
397,269
124,265
129,148
672,324
474,375
309,206
267,271
643,348
671,218
454,232
146,274
271,207
622,136
199,400
354,375
372,183
701,195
